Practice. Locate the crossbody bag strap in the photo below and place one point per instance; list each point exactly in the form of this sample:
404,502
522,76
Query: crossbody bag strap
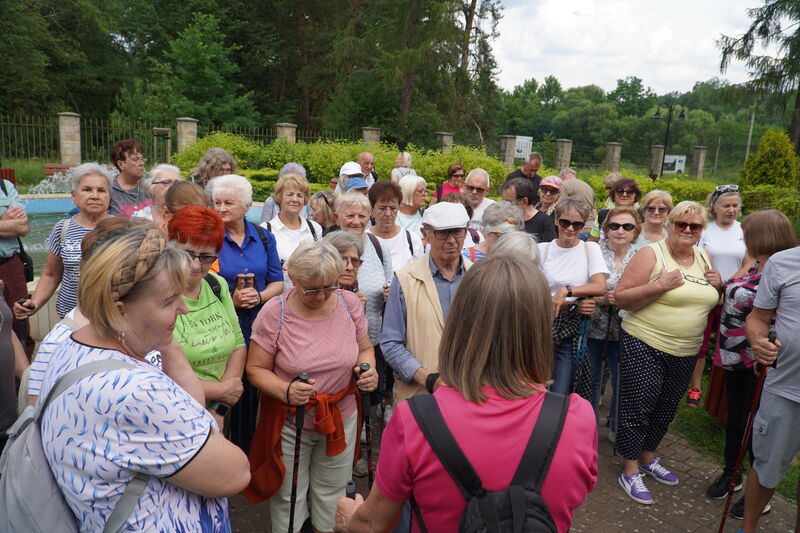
538,454
126,503
434,428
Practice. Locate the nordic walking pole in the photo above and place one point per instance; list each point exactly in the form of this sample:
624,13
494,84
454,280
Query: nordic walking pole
299,417
363,367
762,374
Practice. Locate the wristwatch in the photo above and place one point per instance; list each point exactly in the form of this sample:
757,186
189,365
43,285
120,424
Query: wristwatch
569,291
430,381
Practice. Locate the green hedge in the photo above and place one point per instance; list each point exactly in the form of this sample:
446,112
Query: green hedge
245,152
263,189
680,188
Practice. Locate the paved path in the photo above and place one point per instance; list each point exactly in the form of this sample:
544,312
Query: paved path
683,508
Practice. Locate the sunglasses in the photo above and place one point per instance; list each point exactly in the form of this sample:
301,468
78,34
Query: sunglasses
614,226
312,292
444,234
577,225
457,175
653,210
694,228
722,189
324,199
205,259
478,190
625,192
548,190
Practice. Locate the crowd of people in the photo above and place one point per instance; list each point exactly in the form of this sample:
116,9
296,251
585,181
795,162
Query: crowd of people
256,354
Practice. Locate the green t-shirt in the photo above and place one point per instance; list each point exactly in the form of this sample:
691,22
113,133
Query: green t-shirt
209,332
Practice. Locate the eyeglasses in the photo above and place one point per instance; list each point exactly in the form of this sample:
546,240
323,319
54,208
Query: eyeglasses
576,224
625,192
326,290
722,189
168,183
387,208
614,226
355,261
695,279
653,210
421,191
694,228
205,259
478,190
137,160
548,190
444,234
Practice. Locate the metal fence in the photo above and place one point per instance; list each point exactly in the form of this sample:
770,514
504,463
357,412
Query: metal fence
29,137
99,135
262,135
311,136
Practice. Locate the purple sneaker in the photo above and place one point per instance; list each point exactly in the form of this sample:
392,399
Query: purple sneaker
634,487
658,472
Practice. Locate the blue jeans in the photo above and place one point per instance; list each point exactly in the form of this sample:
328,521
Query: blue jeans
596,359
562,371
404,525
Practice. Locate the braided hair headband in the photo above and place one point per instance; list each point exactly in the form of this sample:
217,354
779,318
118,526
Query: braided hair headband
135,266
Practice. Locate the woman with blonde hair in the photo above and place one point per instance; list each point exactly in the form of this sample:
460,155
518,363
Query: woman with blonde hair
656,205
180,195
668,289
494,385
215,162
318,329
153,425
321,209
415,194
403,166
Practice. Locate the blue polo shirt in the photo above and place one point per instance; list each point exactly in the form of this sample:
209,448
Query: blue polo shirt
250,257
9,245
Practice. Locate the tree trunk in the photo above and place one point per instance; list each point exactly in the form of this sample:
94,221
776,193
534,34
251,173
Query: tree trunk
302,46
412,29
794,127
469,22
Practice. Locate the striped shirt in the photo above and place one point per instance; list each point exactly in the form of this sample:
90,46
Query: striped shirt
68,249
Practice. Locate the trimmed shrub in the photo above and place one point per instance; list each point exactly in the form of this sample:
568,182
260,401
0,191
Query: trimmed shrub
767,196
263,174
679,188
244,151
774,163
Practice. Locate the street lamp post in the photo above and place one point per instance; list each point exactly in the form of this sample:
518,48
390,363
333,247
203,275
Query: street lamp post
658,116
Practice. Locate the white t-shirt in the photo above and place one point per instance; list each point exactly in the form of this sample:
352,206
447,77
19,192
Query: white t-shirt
398,247
477,214
287,240
725,246
571,266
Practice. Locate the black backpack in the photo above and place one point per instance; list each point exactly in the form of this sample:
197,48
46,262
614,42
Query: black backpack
520,507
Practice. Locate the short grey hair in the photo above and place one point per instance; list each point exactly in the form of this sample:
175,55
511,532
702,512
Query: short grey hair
352,199
234,184
534,156
479,172
344,240
315,261
564,171
291,167
408,184
147,183
517,244
499,212
90,169
567,204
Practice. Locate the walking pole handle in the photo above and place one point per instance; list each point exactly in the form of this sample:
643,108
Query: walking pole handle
363,367
350,489
772,337
299,412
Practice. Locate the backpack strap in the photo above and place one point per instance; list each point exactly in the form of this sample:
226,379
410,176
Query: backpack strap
126,503
439,188
262,234
344,303
473,233
430,421
213,282
410,244
538,454
269,227
312,230
377,245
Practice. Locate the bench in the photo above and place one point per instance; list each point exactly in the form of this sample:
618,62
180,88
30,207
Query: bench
51,169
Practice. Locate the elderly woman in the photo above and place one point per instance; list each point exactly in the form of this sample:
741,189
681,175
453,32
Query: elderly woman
321,209
321,330
517,244
455,179
494,390
621,228
498,219
576,272
180,195
215,162
289,227
270,208
162,177
404,246
209,333
130,292
91,194
723,240
350,248
765,233
415,194
668,289
549,192
656,205
402,167
626,193
246,249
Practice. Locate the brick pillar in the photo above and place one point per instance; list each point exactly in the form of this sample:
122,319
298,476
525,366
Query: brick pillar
287,131
698,161
656,160
187,132
445,140
613,154
370,135
69,138
563,153
508,144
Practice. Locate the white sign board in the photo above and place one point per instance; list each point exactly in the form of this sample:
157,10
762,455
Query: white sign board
674,164
523,147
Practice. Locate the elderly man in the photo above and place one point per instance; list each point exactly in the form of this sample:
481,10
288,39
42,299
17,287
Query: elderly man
420,299
529,171
127,194
367,162
776,430
13,225
572,187
476,187
351,169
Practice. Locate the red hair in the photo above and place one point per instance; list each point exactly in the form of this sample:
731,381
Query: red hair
197,224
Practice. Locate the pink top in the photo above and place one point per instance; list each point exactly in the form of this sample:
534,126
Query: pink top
447,189
326,349
492,436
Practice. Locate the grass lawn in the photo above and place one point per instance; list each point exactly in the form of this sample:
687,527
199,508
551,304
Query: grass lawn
707,436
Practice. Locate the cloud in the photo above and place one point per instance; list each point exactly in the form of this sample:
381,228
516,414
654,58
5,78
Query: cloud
670,46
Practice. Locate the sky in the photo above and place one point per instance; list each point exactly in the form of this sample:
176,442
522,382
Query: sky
670,45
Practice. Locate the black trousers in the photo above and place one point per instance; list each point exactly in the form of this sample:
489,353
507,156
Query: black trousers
741,386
